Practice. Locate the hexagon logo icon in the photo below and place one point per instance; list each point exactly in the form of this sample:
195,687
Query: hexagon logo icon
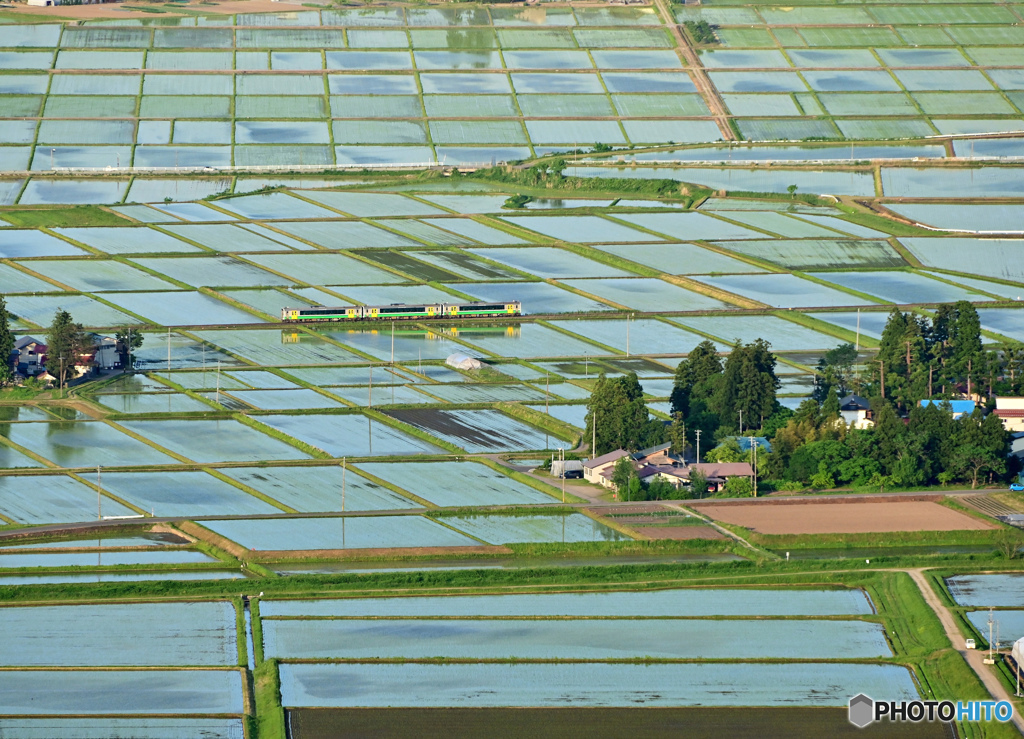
862,710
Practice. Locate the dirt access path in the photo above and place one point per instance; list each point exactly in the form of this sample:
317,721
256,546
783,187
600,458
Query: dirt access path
700,78
973,657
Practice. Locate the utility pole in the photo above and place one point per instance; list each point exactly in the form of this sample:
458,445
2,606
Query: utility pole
741,420
990,660
343,470
218,382
392,343
593,433
547,380
168,350
930,368
698,446
753,466
561,451
881,365
857,345
370,389
99,494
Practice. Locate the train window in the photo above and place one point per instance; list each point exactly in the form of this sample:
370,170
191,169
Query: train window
403,309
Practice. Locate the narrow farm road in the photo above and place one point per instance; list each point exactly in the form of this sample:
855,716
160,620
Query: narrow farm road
973,657
705,86
580,490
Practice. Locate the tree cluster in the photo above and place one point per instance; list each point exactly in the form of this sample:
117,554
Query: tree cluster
6,344
701,32
630,487
65,343
910,445
622,418
930,447
920,357
712,396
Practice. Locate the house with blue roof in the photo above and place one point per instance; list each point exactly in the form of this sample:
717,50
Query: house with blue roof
958,407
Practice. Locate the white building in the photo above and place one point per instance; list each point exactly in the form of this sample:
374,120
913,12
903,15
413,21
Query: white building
1011,413
856,412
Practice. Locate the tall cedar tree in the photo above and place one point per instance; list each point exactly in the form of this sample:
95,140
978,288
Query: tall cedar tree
835,371
945,355
127,341
64,343
622,417
6,345
694,375
748,384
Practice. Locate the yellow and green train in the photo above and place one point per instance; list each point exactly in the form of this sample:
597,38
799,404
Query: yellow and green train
403,312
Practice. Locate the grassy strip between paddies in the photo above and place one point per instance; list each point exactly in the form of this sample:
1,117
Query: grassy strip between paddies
413,431
916,630
521,477
543,421
946,676
887,225
240,637
828,329
620,548
511,511
281,436
257,631
538,181
215,540
270,719
63,217
612,260
731,574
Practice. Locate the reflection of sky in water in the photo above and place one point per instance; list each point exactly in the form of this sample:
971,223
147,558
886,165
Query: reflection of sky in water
590,684
988,590
571,639
662,603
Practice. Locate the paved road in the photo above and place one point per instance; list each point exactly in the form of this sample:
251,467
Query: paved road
973,657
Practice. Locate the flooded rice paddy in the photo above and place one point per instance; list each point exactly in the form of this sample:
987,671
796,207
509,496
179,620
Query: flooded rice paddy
562,639
999,591
175,634
590,684
685,603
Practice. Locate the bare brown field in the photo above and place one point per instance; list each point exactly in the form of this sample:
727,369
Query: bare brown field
842,518
594,723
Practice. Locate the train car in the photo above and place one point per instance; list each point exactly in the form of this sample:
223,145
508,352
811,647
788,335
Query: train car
402,312
485,310
344,313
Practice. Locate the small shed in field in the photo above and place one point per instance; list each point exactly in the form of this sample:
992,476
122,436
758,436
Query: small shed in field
463,362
